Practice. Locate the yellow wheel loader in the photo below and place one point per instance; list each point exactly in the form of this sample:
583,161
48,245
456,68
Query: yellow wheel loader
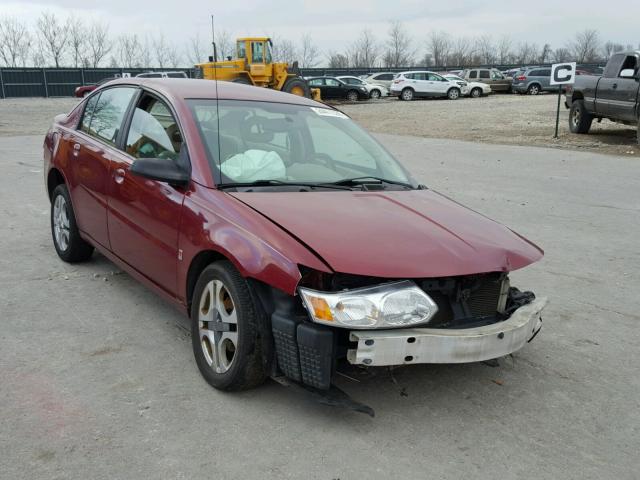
253,65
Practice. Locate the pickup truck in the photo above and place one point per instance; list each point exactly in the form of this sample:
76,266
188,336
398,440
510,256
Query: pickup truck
614,95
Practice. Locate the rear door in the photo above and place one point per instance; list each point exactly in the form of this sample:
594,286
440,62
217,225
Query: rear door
335,88
617,97
144,215
90,148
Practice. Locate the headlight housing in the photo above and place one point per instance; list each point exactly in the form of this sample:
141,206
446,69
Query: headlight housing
391,305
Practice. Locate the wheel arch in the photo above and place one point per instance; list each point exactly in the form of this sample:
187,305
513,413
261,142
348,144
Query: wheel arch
54,178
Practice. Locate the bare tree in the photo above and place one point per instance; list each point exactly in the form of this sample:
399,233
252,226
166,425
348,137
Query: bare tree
225,45
364,51
504,49
37,58
161,50
15,42
174,59
585,46
526,53
98,44
609,48
561,55
195,52
338,60
485,50
545,54
461,52
128,50
309,52
398,52
439,46
77,40
283,50
54,36
145,56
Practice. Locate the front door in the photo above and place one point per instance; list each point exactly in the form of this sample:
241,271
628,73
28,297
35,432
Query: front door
89,161
623,95
144,215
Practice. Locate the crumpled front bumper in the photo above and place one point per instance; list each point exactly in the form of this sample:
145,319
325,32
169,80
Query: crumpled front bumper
437,345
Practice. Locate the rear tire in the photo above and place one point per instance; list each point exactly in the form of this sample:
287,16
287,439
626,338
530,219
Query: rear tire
407,95
297,86
453,93
579,119
534,89
66,238
226,325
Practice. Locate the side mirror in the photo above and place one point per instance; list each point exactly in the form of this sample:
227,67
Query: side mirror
162,170
627,73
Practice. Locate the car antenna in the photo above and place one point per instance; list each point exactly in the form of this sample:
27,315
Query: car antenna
215,79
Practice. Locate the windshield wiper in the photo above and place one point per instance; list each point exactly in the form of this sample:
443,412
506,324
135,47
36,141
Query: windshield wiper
279,183
368,179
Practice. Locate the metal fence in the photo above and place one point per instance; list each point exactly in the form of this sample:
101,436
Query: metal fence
61,82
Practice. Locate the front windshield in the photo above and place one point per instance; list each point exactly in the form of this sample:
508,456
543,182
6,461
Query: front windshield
250,141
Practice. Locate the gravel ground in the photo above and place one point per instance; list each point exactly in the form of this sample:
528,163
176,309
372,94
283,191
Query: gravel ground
499,119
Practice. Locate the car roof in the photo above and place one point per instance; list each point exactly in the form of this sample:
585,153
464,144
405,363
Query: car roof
187,88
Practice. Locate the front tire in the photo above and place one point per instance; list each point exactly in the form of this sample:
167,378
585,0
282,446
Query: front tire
226,321
66,238
352,96
453,94
476,92
297,86
375,94
579,118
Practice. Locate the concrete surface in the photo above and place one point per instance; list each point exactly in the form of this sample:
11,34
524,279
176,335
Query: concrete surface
98,379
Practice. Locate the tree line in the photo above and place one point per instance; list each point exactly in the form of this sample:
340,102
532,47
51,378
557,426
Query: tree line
57,41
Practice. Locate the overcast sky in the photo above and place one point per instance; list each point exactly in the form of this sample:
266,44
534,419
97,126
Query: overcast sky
335,23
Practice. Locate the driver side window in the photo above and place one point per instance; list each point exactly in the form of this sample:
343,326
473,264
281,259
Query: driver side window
154,132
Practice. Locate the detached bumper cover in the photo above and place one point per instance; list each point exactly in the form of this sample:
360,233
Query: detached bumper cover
435,345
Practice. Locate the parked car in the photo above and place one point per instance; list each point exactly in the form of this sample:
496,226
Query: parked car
491,76
162,75
472,89
533,81
333,89
85,90
291,238
410,85
375,91
615,95
380,78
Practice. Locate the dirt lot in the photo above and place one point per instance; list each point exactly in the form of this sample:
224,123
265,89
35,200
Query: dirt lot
499,119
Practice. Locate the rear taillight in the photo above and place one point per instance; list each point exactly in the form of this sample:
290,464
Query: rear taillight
397,80
521,78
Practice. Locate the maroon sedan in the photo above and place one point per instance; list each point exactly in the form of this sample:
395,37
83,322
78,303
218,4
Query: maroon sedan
84,90
292,239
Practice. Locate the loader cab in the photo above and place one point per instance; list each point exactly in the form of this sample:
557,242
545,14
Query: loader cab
256,52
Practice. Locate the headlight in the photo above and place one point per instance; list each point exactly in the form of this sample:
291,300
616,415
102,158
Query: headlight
392,305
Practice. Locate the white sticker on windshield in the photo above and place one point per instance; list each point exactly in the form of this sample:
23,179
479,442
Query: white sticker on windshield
326,112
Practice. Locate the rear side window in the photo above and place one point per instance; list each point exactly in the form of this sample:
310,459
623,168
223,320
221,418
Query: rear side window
176,75
316,82
88,112
484,74
108,113
332,82
386,76
473,74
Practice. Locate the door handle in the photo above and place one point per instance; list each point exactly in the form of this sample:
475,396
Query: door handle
118,175
76,149
614,86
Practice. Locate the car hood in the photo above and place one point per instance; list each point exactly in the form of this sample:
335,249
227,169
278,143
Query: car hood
394,234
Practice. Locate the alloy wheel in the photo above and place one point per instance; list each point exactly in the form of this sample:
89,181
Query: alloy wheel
218,326
61,223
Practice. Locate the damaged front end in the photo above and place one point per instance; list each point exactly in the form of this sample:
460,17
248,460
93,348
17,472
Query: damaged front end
376,322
